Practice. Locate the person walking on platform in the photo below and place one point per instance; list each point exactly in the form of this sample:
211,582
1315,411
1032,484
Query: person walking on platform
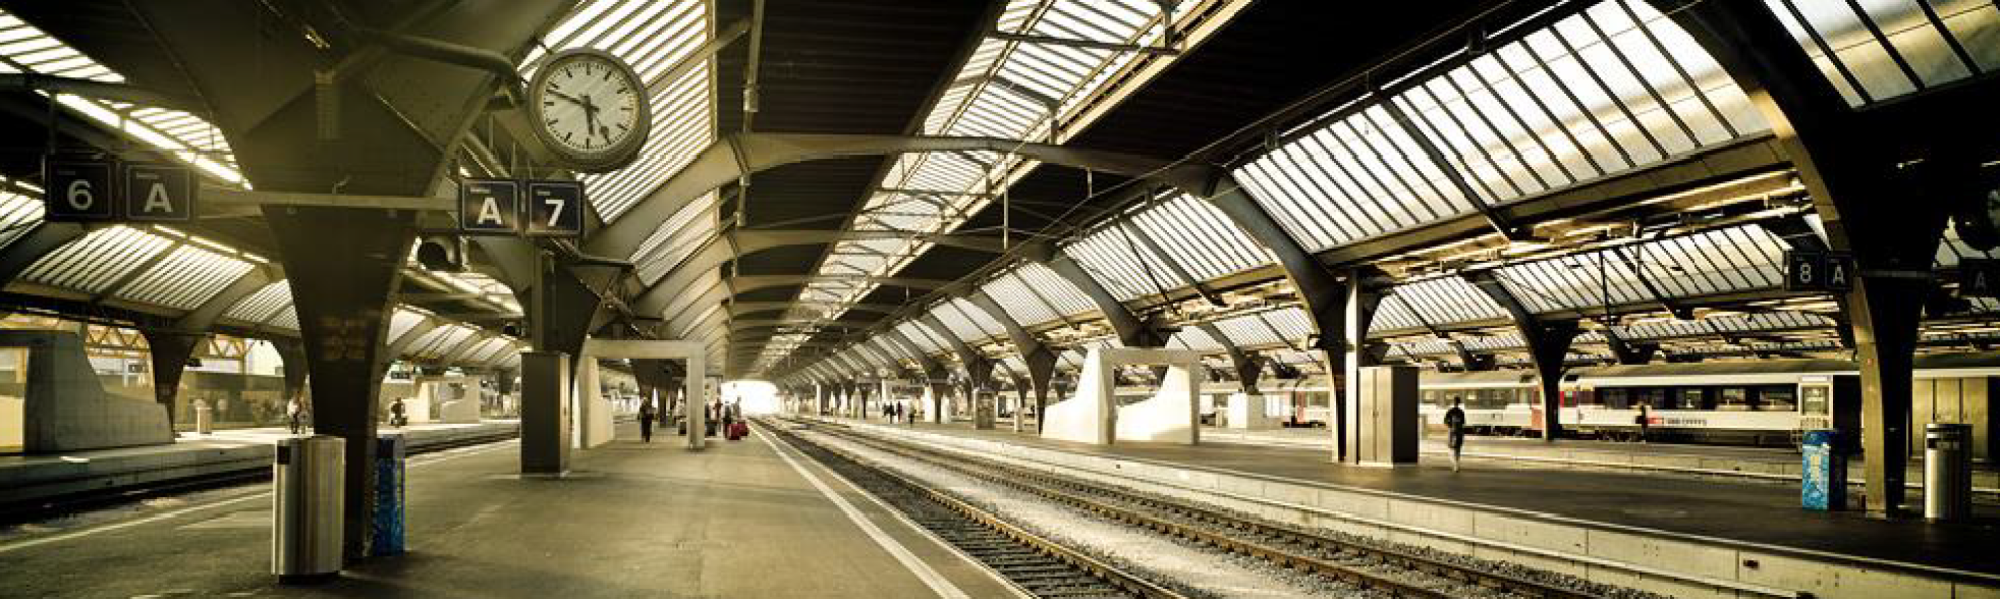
646,422
1645,420
1454,421
294,415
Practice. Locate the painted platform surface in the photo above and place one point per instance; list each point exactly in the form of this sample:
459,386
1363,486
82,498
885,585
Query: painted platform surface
25,478
1726,511
632,520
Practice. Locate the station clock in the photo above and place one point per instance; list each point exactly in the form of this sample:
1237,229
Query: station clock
590,109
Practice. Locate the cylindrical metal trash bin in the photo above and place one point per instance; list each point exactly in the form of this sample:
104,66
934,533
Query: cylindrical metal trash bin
306,512
1947,471
204,417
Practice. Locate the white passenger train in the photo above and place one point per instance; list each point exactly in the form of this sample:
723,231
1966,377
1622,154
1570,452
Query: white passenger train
1767,403
1738,403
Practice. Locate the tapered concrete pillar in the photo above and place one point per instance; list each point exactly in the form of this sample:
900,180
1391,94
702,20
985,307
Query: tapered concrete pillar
343,265
168,352
292,355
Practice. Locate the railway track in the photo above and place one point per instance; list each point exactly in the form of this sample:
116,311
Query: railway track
1391,571
1035,565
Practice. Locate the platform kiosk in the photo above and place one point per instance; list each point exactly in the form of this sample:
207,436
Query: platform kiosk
1384,416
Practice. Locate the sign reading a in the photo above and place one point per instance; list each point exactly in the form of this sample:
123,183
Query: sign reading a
555,208
1979,277
489,206
78,190
159,192
1807,270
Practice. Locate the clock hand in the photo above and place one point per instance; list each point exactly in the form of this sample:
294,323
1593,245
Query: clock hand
589,118
571,99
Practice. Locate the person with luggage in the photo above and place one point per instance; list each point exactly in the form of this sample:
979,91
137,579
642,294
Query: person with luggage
1454,421
646,422
397,417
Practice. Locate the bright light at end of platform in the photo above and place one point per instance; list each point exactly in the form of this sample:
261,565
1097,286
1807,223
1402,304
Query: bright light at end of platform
756,397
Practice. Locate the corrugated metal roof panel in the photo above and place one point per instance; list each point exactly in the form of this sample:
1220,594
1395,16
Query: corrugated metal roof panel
259,306
98,260
185,278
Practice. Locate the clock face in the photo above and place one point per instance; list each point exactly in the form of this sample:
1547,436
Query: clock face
589,108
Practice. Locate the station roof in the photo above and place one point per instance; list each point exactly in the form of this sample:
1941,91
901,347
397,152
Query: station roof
1644,193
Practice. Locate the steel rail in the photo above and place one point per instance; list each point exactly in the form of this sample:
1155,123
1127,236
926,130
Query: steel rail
1281,544
1111,576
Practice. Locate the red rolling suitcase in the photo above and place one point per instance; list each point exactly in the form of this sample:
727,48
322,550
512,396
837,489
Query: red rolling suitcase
738,430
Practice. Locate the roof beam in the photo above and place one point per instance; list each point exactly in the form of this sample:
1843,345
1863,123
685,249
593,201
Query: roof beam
1131,331
1028,38
1548,344
736,155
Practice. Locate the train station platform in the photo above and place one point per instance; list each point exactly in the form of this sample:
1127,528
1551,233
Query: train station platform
631,520
31,480
1734,534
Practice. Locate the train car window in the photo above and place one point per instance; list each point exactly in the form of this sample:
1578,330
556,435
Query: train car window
1733,399
1435,398
1689,398
1615,398
1777,398
1653,397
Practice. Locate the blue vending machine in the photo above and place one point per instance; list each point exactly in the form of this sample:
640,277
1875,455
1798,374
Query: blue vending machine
1822,472
388,522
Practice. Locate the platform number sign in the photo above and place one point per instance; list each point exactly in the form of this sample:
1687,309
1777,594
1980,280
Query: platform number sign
101,189
510,207
1819,271
79,190
1979,277
490,206
159,192
555,208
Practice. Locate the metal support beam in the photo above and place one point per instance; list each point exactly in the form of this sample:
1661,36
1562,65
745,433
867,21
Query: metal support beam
978,368
1628,353
45,238
736,155
1548,344
1880,193
1080,43
1132,331
1249,367
1040,361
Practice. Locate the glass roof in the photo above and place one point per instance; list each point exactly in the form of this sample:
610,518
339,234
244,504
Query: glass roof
186,137
1618,87
1877,50
1011,87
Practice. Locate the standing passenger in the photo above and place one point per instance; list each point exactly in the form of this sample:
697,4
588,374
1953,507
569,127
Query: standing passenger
1454,421
646,422
293,415
1645,420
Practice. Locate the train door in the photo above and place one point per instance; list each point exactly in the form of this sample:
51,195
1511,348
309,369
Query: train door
1815,403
